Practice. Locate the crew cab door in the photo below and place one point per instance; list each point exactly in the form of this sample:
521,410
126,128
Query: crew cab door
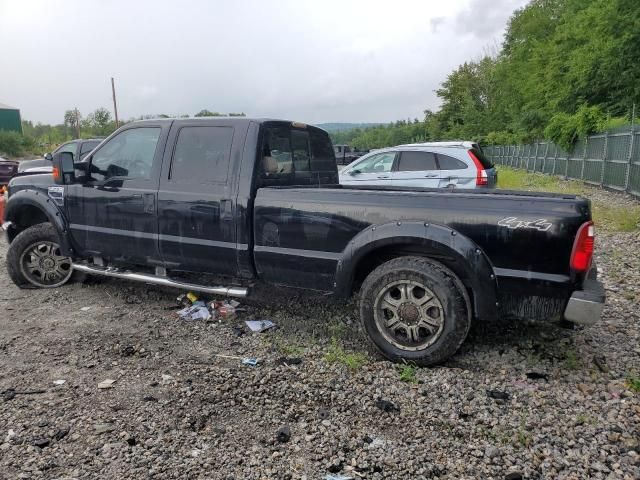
113,213
196,211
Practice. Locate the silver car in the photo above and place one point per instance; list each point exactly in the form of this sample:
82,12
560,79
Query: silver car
426,165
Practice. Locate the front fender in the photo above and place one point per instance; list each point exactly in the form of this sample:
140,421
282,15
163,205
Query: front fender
21,199
442,243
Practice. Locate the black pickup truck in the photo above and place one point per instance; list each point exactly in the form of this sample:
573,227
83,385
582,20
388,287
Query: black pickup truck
196,203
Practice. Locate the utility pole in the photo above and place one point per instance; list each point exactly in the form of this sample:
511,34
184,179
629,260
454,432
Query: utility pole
77,123
115,106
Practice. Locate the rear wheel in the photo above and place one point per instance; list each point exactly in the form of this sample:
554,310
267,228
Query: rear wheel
415,309
34,259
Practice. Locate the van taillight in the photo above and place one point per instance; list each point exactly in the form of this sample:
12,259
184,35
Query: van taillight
582,252
481,173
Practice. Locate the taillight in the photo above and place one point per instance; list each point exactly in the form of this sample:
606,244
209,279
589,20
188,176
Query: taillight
582,252
481,173
56,174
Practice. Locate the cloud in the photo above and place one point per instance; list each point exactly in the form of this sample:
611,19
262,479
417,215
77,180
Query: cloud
362,60
485,18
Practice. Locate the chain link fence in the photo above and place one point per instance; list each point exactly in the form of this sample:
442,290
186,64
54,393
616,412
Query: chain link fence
610,159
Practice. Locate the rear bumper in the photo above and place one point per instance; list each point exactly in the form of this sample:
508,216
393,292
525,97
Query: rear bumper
585,306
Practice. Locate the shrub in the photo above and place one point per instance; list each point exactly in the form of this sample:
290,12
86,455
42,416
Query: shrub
11,143
562,130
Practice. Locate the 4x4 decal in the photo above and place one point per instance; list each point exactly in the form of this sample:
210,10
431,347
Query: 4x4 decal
514,222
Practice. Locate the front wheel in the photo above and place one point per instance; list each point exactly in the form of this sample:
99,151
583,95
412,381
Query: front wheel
415,309
34,259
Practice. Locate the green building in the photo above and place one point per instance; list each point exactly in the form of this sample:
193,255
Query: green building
10,118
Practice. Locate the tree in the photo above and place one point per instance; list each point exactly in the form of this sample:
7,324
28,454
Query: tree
207,113
72,119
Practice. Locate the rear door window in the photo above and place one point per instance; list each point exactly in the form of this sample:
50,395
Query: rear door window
201,155
484,160
449,163
416,161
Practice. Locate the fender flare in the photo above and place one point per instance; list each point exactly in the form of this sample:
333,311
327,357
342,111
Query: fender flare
444,241
41,201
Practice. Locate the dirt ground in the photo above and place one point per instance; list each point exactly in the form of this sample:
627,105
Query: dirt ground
176,410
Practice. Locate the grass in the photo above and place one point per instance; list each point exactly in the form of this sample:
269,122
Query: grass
633,383
352,360
408,374
609,217
571,361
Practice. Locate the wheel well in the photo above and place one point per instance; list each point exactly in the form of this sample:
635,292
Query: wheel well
26,217
377,257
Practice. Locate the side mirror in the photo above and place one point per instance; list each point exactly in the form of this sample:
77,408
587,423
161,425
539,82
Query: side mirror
63,168
354,172
48,156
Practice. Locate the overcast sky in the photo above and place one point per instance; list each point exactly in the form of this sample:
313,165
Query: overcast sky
313,61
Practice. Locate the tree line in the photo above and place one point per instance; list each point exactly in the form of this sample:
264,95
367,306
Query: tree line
566,68
39,137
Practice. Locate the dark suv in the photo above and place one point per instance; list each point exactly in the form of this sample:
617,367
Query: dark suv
79,149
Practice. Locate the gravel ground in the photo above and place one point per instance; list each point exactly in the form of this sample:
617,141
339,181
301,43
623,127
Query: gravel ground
178,411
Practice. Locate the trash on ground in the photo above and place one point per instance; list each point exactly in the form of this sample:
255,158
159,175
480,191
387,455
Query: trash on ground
10,393
59,382
197,311
10,434
537,376
283,434
337,476
166,379
223,309
85,309
386,405
186,299
252,362
259,326
108,383
498,395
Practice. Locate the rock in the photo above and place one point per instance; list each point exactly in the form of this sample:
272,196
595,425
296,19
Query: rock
108,383
491,452
283,435
498,395
61,433
103,428
387,406
40,442
513,476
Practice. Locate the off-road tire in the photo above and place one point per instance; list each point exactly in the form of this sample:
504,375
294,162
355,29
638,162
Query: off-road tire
40,232
448,289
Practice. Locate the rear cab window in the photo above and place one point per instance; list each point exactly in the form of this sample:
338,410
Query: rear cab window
295,155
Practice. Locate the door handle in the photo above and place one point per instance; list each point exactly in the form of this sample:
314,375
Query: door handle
149,202
226,210
383,176
431,175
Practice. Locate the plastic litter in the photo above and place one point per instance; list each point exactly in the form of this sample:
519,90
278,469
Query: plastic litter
186,299
259,326
197,311
252,362
337,476
59,382
225,309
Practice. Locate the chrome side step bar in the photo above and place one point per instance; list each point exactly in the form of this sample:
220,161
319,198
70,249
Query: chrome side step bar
167,282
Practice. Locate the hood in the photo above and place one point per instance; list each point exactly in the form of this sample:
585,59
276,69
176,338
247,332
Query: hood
38,162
